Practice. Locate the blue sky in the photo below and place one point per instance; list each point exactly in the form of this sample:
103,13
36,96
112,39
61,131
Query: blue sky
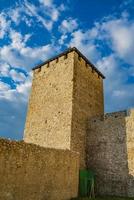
32,31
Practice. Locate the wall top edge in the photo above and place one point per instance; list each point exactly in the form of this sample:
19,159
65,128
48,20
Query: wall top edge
69,50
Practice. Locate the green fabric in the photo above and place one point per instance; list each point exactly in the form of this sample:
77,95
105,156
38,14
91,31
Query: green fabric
86,179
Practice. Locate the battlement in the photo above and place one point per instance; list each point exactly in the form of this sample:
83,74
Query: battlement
64,55
112,116
51,64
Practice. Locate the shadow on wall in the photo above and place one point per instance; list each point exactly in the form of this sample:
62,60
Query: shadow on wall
110,153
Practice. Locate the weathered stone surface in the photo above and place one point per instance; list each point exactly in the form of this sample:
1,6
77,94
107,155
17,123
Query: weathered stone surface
49,114
130,151
66,111
87,103
64,95
30,172
110,153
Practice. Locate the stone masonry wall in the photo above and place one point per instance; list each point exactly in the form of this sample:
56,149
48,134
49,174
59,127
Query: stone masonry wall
65,93
30,172
130,151
110,153
49,113
87,103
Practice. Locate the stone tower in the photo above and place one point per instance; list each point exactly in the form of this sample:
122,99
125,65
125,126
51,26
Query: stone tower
67,90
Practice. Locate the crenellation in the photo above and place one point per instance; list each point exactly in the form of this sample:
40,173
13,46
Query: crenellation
109,116
43,69
66,56
116,114
53,62
48,64
36,71
62,58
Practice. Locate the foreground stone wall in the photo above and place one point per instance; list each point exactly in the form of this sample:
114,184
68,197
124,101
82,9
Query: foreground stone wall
30,172
110,153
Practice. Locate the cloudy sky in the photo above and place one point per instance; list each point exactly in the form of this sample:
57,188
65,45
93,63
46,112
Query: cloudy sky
32,31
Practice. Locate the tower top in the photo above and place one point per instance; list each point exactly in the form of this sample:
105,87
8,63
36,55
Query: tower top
65,53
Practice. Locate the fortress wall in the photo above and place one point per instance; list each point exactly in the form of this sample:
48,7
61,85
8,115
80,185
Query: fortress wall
130,151
107,153
87,103
49,113
30,172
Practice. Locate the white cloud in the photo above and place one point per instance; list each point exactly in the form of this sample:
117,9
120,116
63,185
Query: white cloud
119,93
4,69
54,14
33,11
17,76
13,106
17,40
68,25
83,41
19,14
108,66
51,10
24,88
126,3
17,54
4,87
11,56
117,89
18,94
46,13
118,34
15,15
62,39
48,3
4,25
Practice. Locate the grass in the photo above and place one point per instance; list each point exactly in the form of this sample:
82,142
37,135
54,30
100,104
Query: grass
105,198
